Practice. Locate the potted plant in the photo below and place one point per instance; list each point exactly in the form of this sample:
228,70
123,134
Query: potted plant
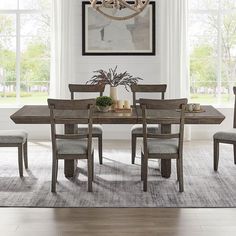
114,79
104,103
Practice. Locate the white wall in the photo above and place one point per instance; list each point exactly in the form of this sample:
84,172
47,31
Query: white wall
147,67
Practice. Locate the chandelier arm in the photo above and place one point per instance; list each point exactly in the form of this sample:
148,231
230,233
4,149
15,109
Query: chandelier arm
107,3
120,18
124,3
135,5
138,6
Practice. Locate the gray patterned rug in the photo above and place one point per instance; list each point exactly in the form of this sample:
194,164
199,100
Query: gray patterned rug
117,182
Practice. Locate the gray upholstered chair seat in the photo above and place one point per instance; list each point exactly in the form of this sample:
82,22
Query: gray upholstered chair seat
13,136
83,129
138,129
66,146
162,146
229,136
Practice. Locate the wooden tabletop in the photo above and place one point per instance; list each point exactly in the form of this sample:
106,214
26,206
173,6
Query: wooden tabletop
39,114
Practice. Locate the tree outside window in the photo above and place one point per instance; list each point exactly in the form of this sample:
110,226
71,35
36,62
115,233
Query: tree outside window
212,34
24,51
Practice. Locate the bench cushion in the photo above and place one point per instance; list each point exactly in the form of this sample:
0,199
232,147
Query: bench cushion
13,136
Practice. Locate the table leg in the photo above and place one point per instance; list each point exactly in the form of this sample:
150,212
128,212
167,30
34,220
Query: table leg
165,164
69,165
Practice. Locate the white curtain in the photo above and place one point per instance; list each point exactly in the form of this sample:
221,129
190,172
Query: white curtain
173,51
60,48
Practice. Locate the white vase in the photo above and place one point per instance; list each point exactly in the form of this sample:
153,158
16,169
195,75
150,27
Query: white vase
114,96
103,109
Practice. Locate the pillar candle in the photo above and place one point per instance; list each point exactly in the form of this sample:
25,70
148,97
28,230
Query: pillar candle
126,104
120,104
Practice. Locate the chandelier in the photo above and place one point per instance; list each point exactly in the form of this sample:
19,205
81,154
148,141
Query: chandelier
135,7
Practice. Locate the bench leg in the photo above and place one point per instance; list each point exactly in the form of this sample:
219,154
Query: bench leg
216,155
25,146
20,160
235,154
54,175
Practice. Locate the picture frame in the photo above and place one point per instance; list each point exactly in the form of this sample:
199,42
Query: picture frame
103,36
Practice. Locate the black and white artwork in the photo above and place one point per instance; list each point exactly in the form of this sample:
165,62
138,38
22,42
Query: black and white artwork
104,36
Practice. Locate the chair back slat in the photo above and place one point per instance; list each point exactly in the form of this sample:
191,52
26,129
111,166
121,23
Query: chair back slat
234,89
147,88
60,104
163,136
70,111
170,104
71,136
86,88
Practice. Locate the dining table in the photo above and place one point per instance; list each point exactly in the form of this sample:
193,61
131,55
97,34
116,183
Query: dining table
39,114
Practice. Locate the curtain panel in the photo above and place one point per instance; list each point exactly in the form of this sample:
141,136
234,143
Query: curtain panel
174,45
62,33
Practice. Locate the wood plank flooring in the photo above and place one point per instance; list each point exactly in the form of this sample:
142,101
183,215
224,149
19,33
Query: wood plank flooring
117,222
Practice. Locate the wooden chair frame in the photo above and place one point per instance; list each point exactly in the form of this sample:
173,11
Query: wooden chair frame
88,88
150,104
66,106
217,142
143,88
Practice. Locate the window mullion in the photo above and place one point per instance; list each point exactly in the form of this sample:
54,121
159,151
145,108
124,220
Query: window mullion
18,59
219,53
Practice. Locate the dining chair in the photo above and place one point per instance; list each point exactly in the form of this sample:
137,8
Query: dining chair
228,137
136,130
71,146
97,130
16,138
163,146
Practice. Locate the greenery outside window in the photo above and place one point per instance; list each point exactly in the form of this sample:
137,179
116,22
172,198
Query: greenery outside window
212,41
24,51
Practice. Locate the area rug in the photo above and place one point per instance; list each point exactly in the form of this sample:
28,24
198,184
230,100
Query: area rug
117,182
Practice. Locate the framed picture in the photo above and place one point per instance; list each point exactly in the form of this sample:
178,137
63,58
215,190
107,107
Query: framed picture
103,36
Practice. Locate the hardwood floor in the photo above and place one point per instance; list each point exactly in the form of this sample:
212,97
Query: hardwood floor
117,222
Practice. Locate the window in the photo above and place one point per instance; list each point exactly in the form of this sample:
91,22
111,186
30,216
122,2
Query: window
212,40
24,51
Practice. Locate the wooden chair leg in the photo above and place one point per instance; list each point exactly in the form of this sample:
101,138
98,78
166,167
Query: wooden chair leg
133,144
90,172
177,168
20,159
216,154
100,148
56,169
93,166
25,147
142,162
145,172
54,173
235,154
181,176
